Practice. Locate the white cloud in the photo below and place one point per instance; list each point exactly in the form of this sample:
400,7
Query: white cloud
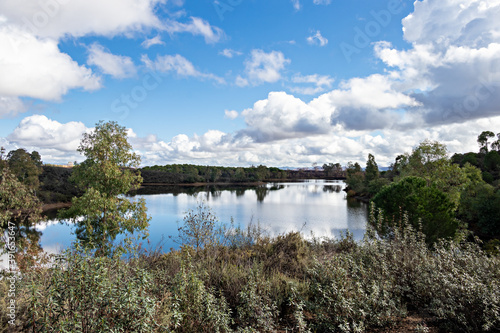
114,65
231,114
197,26
152,41
54,141
317,39
36,68
228,53
10,106
57,142
453,68
263,67
320,82
178,64
322,2
76,18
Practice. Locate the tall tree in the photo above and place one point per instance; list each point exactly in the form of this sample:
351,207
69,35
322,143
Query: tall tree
371,170
107,174
482,140
25,166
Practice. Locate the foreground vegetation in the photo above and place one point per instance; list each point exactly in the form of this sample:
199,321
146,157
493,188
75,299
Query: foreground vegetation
244,281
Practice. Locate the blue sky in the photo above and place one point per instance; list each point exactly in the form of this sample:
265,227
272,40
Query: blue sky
242,82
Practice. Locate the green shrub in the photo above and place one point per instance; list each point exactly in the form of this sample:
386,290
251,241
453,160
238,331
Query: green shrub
257,311
85,294
195,308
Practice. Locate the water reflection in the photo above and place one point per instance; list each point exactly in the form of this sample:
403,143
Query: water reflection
313,207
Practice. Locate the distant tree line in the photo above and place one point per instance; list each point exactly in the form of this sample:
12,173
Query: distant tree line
188,173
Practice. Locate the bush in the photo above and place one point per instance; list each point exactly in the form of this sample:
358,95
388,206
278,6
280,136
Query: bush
85,294
195,308
425,205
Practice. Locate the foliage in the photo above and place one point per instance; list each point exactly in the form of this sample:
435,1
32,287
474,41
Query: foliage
480,207
85,294
482,140
106,175
425,205
201,228
194,308
371,170
257,310
341,286
56,186
25,166
355,178
20,210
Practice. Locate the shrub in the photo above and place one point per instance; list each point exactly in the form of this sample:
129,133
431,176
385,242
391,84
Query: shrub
85,294
257,312
195,308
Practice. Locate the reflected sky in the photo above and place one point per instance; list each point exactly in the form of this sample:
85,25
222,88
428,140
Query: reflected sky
314,207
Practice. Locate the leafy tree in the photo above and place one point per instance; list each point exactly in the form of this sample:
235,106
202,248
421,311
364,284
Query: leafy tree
25,166
371,170
355,177
482,140
480,207
492,161
496,144
424,204
102,212
20,210
430,162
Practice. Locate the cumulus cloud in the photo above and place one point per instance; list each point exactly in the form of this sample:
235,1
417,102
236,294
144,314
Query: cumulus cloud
320,83
114,65
36,68
231,114
56,142
59,18
263,67
453,67
11,106
179,65
317,39
283,116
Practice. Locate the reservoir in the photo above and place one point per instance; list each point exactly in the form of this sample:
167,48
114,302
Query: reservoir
316,208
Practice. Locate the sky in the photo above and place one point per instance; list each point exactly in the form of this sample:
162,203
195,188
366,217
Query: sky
249,82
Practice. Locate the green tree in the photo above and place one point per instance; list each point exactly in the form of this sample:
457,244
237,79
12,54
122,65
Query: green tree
355,177
20,210
25,166
482,140
102,212
480,208
430,161
371,170
423,204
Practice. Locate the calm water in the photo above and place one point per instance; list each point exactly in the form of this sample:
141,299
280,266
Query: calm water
313,207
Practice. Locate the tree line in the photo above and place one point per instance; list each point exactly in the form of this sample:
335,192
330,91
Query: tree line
439,194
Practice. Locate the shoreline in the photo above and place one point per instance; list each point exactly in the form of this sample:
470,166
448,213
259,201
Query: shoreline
57,205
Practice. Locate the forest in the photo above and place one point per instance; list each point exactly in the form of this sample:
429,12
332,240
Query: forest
429,261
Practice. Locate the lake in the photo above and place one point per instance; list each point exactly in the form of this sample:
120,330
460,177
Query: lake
314,207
